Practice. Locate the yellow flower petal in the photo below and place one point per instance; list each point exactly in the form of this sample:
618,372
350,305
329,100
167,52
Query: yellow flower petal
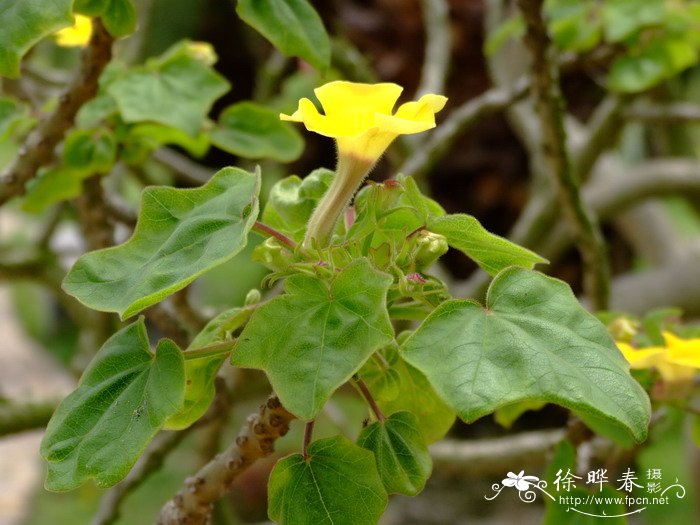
360,116
642,358
684,352
341,97
77,35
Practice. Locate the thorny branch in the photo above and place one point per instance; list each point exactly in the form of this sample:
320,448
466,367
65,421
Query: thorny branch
38,148
549,104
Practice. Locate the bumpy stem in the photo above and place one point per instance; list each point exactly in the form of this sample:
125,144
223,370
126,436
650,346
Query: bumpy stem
350,173
193,504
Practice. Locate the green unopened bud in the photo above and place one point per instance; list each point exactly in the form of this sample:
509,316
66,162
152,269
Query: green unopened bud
429,248
273,255
252,297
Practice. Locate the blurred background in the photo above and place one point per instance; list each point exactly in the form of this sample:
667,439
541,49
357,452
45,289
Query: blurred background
634,130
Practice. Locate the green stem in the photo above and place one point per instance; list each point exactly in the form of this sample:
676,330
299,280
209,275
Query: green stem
308,435
370,400
212,350
264,229
349,175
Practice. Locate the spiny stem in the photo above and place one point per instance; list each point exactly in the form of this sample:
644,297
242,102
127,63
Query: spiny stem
308,434
370,400
271,232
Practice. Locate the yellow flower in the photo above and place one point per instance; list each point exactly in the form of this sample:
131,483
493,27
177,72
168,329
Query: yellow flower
360,118
77,35
676,361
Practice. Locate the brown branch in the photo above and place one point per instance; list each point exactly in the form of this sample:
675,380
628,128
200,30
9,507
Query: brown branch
94,218
549,104
188,170
38,148
193,504
459,120
184,310
436,22
480,457
19,416
677,112
152,460
167,323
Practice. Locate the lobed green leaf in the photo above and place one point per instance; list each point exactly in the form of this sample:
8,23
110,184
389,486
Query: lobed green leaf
177,89
532,341
122,401
315,337
180,234
23,23
402,456
337,484
403,388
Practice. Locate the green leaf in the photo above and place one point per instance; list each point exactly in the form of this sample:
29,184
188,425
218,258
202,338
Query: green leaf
12,113
201,373
122,400
402,456
253,131
119,17
410,392
180,234
90,151
292,200
23,23
142,139
51,186
293,27
513,27
90,7
509,414
337,484
177,90
575,25
623,18
657,60
323,333
532,341
491,252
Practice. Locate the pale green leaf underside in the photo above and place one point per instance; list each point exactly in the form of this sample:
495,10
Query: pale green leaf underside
337,485
23,23
122,400
181,233
491,252
312,339
402,456
293,27
534,341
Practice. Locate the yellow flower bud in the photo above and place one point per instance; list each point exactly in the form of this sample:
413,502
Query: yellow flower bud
77,35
